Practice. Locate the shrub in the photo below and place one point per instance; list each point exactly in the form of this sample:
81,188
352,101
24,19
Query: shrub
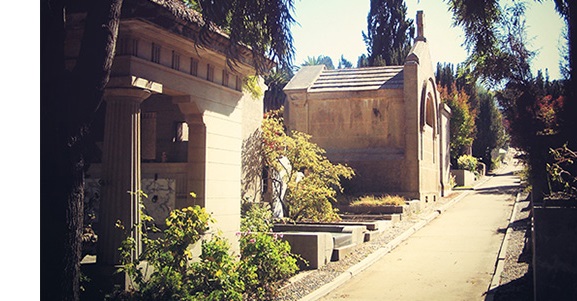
216,277
266,258
173,275
467,162
372,201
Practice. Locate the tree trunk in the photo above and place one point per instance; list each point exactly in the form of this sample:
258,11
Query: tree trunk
68,103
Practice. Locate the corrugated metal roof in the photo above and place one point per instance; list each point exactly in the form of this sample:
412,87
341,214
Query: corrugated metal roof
358,79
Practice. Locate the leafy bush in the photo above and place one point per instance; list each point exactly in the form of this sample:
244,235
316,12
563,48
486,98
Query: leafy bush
372,201
310,196
267,260
216,277
173,275
467,162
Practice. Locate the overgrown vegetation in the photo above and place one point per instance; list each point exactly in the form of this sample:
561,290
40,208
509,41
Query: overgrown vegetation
375,201
167,269
312,180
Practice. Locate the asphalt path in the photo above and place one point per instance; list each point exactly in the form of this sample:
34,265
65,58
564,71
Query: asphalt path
451,258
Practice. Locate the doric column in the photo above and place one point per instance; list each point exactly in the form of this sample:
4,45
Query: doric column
120,172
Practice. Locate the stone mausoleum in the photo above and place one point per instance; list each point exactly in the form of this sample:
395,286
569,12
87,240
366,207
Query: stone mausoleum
174,120
387,123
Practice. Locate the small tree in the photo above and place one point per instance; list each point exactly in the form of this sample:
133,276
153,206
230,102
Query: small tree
313,181
462,120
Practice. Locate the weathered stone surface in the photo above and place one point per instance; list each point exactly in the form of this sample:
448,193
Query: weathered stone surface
387,123
315,247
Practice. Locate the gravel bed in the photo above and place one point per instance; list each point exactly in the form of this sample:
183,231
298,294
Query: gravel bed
517,277
306,282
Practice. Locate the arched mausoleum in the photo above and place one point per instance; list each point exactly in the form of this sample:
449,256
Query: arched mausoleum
385,122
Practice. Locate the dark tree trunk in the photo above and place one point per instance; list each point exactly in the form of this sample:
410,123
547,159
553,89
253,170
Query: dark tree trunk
68,103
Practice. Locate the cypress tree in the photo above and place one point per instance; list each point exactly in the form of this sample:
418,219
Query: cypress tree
389,33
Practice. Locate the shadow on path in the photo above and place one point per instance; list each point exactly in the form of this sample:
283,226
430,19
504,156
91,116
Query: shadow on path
520,289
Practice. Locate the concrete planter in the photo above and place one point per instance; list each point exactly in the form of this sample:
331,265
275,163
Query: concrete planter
463,177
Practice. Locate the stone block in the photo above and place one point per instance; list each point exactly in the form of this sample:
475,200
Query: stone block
357,233
340,252
315,247
413,207
463,177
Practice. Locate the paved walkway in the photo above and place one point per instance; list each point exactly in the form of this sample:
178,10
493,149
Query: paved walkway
452,258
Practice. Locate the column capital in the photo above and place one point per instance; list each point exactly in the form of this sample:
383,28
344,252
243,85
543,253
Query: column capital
134,82
135,94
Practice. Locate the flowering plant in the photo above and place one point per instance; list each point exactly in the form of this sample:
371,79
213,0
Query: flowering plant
266,258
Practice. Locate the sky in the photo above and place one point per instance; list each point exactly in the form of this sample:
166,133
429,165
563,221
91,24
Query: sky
334,28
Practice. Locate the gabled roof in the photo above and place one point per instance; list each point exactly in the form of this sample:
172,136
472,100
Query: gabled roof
319,79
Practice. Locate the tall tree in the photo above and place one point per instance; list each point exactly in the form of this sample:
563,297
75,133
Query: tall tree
70,99
462,123
496,40
491,133
389,33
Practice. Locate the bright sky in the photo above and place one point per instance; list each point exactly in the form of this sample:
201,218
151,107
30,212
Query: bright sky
334,28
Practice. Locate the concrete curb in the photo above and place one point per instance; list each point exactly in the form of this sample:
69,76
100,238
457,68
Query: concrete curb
500,264
378,254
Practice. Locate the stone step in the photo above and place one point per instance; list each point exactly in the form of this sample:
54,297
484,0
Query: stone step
340,252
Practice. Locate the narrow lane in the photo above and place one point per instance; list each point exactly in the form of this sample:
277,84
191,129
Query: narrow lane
452,258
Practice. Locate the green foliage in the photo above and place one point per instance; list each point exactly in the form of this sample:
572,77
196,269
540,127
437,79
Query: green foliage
216,277
267,260
310,197
563,171
250,84
344,63
262,25
166,270
320,60
467,162
257,218
169,272
462,123
491,132
276,80
372,201
389,33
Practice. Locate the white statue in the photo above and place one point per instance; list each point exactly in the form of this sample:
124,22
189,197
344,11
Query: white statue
280,179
